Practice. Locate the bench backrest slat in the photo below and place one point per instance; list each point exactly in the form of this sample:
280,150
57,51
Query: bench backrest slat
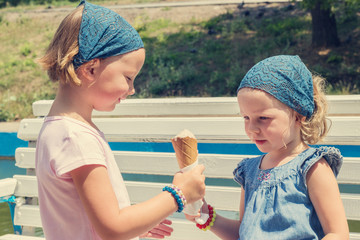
224,198
338,105
344,130
7,187
217,165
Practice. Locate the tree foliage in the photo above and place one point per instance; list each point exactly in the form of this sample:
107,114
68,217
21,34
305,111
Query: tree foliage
331,4
324,22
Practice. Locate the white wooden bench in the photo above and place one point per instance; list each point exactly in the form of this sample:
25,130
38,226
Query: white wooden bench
136,124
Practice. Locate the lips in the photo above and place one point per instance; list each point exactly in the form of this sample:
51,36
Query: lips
121,99
260,142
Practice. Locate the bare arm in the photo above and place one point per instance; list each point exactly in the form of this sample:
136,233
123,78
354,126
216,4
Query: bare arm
111,222
228,229
325,196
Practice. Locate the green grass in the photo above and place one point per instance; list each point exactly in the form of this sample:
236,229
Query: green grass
354,226
194,58
6,226
5,220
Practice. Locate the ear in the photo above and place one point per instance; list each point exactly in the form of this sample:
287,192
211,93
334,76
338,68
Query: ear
299,119
89,70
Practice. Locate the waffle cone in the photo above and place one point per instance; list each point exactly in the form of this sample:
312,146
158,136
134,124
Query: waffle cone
186,150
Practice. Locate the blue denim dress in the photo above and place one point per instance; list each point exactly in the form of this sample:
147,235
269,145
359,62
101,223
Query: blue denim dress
277,203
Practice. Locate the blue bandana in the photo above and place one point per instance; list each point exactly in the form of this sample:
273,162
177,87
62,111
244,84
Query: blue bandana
104,33
287,79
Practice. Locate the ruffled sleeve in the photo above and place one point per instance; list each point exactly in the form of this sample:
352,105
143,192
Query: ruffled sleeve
239,172
330,154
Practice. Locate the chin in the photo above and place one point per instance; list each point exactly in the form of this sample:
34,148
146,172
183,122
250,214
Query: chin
106,109
262,149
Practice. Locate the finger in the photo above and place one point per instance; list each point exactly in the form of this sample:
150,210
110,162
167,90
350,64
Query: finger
163,231
191,218
167,221
164,228
159,232
154,235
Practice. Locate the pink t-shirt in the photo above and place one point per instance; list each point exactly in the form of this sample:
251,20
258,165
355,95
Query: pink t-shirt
63,145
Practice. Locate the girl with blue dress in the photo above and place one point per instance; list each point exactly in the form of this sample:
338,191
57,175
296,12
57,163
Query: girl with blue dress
289,192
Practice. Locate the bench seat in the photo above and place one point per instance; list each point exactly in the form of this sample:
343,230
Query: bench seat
151,122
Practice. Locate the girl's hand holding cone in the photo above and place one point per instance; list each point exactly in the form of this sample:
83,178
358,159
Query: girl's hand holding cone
192,183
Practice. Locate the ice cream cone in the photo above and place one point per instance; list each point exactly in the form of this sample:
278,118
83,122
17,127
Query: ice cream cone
185,146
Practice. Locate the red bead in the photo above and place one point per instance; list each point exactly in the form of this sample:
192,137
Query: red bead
209,220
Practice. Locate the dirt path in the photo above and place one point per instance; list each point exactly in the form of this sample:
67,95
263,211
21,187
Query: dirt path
181,12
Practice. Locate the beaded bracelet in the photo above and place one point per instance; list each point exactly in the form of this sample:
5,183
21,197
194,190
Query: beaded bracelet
178,196
210,222
180,193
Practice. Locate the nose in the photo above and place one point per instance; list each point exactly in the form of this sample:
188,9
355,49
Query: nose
252,127
131,91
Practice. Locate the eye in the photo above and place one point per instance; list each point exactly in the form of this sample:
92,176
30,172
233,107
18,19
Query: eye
128,79
246,117
263,118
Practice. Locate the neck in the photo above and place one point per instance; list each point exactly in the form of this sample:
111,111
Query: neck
70,102
283,155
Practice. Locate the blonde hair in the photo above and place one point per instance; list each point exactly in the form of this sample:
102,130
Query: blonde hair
315,129
58,58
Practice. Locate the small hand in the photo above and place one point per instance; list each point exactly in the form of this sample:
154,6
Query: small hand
160,231
192,183
191,217
204,209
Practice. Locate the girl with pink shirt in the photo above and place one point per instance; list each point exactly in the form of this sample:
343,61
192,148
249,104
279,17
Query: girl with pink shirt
95,56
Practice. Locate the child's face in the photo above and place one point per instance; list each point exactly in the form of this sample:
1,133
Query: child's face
269,123
115,79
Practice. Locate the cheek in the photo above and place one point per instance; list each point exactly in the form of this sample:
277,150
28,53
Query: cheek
247,127
273,130
116,84
284,130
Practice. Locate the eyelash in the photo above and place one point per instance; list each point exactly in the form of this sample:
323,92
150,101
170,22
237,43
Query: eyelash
260,118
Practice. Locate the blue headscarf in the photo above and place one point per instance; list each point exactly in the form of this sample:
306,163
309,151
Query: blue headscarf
287,79
104,33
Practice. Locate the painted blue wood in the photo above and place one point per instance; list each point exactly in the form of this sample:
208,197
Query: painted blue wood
215,148
9,142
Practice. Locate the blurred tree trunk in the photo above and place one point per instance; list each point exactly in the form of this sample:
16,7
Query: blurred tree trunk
324,31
